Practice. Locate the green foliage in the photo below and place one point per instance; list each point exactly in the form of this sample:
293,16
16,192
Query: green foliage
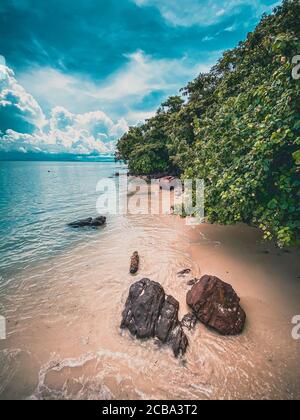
239,130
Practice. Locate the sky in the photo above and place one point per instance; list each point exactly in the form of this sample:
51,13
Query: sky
74,75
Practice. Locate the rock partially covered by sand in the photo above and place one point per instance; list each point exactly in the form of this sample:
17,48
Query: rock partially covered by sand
134,263
89,222
150,313
217,305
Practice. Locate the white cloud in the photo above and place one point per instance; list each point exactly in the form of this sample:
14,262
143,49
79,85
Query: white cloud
79,131
53,88
18,104
143,75
199,12
124,89
140,116
63,132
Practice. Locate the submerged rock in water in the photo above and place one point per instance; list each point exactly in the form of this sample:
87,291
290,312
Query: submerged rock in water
217,305
89,222
150,313
189,321
134,263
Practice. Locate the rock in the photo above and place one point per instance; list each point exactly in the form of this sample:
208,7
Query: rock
142,308
192,282
98,221
189,321
89,222
178,341
168,183
184,272
217,305
149,313
134,263
168,319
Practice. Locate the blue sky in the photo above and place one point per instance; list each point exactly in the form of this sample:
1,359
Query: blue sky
75,74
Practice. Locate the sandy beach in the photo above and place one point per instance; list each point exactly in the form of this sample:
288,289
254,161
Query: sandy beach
64,315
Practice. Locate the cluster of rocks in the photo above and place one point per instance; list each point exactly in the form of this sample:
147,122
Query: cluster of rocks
150,313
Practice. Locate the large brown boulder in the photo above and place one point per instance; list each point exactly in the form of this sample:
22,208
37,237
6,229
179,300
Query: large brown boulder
217,305
150,313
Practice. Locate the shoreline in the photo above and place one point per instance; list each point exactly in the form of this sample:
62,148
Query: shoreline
69,329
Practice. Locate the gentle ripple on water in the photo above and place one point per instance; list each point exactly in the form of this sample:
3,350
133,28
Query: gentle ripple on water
36,205
64,300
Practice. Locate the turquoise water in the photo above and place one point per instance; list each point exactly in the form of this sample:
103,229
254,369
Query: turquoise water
37,201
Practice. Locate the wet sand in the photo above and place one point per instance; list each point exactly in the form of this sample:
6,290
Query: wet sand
63,318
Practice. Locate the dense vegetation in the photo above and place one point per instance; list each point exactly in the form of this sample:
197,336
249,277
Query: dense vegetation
238,128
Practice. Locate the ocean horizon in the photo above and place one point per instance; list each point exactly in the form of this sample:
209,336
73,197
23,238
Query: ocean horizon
47,157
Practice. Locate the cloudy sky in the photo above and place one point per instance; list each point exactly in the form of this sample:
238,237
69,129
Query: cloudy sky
75,74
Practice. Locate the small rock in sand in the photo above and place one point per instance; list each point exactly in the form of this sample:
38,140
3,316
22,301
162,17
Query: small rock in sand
189,321
192,282
178,341
184,272
134,263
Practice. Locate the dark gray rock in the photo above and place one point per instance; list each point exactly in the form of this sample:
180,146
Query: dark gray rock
168,319
89,222
143,307
178,341
189,321
150,313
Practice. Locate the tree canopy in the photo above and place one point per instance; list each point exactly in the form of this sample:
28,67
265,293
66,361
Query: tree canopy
238,128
